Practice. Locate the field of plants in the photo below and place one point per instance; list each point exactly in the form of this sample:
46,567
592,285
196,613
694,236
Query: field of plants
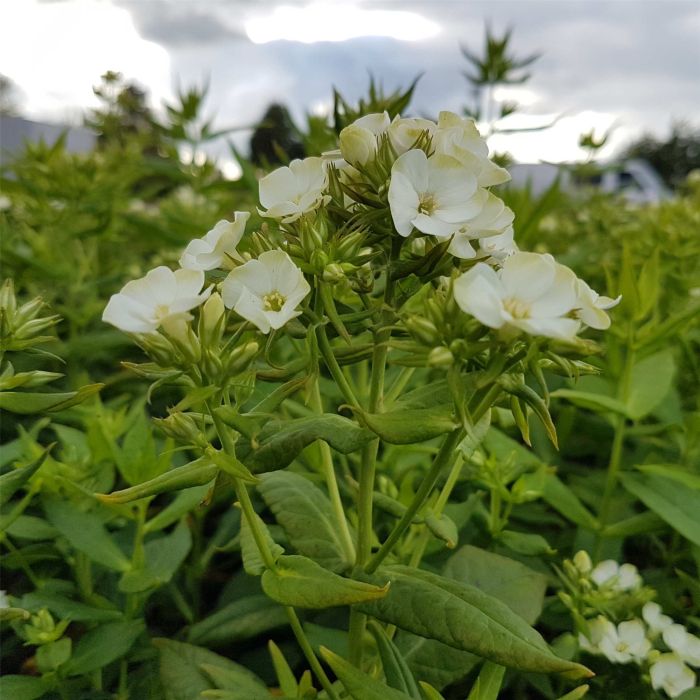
365,424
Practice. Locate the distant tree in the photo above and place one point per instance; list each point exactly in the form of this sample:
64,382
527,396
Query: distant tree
9,97
673,158
276,139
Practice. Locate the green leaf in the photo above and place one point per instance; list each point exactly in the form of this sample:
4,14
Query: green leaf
513,583
22,687
187,670
136,458
443,528
86,533
429,692
411,426
235,678
184,502
359,684
305,513
462,616
567,503
27,403
669,499
11,482
197,473
396,671
488,682
253,562
67,609
302,583
162,558
280,442
600,403
526,543
102,646
433,661
29,527
650,381
54,654
285,677
242,619
672,471
640,524
578,693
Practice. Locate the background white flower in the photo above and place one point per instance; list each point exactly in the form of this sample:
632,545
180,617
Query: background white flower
161,297
671,675
498,248
217,246
653,616
289,192
266,291
459,138
598,628
686,645
434,195
626,642
592,307
619,578
404,133
531,293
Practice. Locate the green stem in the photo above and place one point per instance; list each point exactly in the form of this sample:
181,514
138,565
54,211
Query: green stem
326,349
309,653
332,483
399,384
443,458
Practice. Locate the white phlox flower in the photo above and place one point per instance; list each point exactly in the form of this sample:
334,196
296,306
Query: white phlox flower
291,191
618,578
497,248
598,628
266,291
626,642
218,246
592,307
654,617
435,195
359,141
670,674
459,138
493,220
683,643
405,132
531,293
161,298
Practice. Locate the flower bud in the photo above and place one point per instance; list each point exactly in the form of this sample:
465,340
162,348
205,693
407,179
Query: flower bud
423,329
181,427
349,246
8,302
211,321
440,357
333,273
34,327
583,562
28,311
241,357
319,259
357,144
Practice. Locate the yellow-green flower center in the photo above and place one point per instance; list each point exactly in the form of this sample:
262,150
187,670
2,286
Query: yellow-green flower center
274,301
517,308
427,204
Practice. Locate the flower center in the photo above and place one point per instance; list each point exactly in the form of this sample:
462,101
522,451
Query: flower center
274,301
427,203
622,646
516,308
162,310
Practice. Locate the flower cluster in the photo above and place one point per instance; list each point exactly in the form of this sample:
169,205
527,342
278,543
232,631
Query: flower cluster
390,180
628,627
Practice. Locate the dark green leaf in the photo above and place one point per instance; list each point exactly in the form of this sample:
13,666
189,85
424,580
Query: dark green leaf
396,671
102,646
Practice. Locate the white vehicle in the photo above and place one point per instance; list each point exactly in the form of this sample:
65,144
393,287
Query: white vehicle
635,179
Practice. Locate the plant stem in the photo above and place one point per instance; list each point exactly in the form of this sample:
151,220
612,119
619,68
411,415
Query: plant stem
443,458
331,481
326,349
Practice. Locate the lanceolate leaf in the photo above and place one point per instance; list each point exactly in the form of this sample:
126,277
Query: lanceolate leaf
463,617
396,671
359,684
678,505
301,582
103,645
305,513
411,426
11,482
25,402
650,381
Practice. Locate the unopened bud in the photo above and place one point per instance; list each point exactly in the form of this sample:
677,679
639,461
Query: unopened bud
182,428
183,337
422,329
211,321
35,327
333,273
349,245
440,357
357,144
28,311
583,562
8,302
319,259
435,312
241,357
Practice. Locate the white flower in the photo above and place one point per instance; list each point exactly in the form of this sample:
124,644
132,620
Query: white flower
531,293
618,578
657,621
289,192
266,291
498,248
592,307
626,642
404,133
493,220
598,629
461,139
359,141
434,195
670,674
162,297
686,645
4,600
217,247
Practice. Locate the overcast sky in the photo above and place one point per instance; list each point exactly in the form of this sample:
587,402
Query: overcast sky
628,63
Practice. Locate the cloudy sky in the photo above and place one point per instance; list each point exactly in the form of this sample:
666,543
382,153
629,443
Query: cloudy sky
630,64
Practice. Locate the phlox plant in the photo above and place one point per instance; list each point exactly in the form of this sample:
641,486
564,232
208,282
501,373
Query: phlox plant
383,312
